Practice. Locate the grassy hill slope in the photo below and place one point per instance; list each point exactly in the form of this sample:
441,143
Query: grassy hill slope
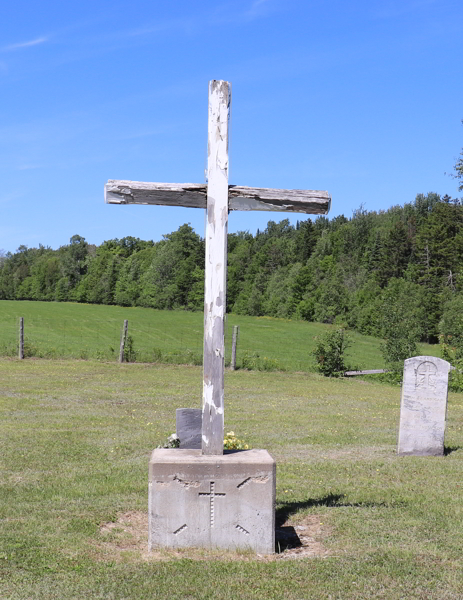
71,330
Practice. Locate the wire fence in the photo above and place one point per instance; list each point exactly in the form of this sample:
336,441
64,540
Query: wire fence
78,338
148,341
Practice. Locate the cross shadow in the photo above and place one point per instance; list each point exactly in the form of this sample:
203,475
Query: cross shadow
286,536
290,508
449,449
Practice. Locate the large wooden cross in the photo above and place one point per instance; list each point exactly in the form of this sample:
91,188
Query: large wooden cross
218,198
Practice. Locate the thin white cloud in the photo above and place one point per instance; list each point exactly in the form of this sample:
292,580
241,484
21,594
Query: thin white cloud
28,167
394,9
10,197
117,39
185,24
259,8
223,14
28,44
228,13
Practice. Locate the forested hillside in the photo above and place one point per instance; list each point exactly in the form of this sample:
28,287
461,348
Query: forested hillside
405,263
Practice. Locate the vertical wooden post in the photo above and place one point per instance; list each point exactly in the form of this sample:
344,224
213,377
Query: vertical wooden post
123,338
236,330
21,337
216,267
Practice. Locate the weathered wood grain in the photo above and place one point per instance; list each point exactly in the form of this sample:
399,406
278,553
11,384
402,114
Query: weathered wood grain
312,202
194,195
216,268
125,330
190,195
21,338
236,329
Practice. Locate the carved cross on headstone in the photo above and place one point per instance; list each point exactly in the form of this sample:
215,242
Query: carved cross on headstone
218,198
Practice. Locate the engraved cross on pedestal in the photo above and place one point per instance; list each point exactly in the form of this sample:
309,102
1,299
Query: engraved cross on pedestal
218,198
212,494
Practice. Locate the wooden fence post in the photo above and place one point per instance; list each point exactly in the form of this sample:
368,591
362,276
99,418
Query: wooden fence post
123,338
236,330
21,337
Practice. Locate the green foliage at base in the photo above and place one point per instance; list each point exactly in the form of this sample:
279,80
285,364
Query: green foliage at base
130,354
253,361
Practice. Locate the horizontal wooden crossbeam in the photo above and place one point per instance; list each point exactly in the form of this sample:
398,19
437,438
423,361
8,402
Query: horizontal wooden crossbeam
194,195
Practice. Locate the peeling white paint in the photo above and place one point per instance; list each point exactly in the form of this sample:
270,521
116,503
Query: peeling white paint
219,198
216,261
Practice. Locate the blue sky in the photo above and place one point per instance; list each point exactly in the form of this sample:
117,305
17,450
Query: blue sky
363,99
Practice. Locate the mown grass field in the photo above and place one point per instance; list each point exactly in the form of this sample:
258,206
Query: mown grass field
75,441
70,330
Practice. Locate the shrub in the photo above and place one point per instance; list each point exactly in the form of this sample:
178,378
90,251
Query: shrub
329,352
130,354
182,357
156,355
451,323
254,362
400,325
454,355
30,350
397,348
8,349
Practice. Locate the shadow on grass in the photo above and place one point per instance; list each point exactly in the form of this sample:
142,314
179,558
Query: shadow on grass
449,449
286,536
290,508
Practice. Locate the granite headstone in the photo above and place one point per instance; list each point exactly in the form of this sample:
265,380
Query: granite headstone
188,427
423,408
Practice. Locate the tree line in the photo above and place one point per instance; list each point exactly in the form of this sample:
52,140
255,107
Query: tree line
401,266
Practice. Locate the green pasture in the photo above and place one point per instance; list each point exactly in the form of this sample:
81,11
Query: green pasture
75,441
71,330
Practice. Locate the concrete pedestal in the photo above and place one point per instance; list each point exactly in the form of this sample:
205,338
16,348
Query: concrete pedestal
212,501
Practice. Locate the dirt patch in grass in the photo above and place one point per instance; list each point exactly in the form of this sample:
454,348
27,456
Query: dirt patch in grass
302,540
127,540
